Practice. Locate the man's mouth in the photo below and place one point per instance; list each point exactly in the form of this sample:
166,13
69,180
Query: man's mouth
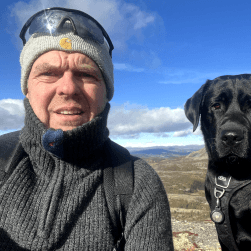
70,117
70,113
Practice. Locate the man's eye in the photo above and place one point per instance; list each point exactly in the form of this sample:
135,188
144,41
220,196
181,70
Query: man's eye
47,73
83,74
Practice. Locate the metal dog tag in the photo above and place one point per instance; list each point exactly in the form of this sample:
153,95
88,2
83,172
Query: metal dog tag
217,215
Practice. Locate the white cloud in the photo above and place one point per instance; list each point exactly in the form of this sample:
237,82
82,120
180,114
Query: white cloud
126,121
11,114
140,19
144,120
125,20
182,133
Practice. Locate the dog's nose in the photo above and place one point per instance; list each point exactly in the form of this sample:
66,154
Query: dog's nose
232,137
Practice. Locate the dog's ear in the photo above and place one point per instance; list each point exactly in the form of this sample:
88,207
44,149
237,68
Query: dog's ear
192,106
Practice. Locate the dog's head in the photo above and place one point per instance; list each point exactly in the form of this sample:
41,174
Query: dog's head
224,105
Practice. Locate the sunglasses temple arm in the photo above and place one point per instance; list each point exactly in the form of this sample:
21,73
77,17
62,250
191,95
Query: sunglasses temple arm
21,35
24,41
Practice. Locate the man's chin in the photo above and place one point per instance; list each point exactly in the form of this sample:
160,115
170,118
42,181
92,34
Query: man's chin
68,122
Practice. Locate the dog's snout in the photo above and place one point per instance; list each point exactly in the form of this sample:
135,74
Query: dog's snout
232,137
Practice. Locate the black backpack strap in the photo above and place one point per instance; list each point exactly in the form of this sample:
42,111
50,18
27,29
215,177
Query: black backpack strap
8,145
118,186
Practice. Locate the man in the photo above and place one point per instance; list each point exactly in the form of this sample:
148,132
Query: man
54,199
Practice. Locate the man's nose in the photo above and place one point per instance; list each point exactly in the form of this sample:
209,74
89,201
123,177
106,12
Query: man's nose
68,84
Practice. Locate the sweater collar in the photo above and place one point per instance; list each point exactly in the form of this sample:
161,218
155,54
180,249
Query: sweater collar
73,146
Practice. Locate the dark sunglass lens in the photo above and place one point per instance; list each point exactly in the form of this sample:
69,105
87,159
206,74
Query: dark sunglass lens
49,22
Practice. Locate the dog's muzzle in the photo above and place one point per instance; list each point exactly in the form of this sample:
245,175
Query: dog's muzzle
231,144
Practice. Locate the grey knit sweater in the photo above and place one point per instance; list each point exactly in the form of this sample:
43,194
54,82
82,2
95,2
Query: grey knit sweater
54,199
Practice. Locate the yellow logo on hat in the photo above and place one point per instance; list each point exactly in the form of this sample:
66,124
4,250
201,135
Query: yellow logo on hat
65,43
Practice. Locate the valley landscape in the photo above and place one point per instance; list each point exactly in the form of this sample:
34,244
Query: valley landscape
183,178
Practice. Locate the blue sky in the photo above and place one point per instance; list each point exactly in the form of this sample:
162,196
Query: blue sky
164,51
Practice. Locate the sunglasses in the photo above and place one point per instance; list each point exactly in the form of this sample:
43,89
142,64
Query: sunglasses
56,21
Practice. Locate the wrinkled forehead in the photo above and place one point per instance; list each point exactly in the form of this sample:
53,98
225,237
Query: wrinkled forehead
64,60
226,90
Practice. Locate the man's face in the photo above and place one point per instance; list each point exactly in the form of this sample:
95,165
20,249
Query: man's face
60,81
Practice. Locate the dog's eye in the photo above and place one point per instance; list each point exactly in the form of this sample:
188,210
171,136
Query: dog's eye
216,106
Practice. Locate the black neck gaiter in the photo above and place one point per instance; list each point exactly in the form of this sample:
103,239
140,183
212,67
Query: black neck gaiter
74,146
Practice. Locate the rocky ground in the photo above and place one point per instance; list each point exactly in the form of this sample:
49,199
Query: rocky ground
194,236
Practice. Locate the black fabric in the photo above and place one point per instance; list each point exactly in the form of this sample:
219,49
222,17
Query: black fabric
8,143
109,192
8,146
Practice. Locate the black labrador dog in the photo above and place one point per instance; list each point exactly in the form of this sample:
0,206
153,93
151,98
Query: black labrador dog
224,105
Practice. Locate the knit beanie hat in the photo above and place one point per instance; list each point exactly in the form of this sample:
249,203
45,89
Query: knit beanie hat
40,43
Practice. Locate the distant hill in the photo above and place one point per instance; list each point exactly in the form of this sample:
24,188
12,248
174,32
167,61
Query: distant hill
164,152
198,155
